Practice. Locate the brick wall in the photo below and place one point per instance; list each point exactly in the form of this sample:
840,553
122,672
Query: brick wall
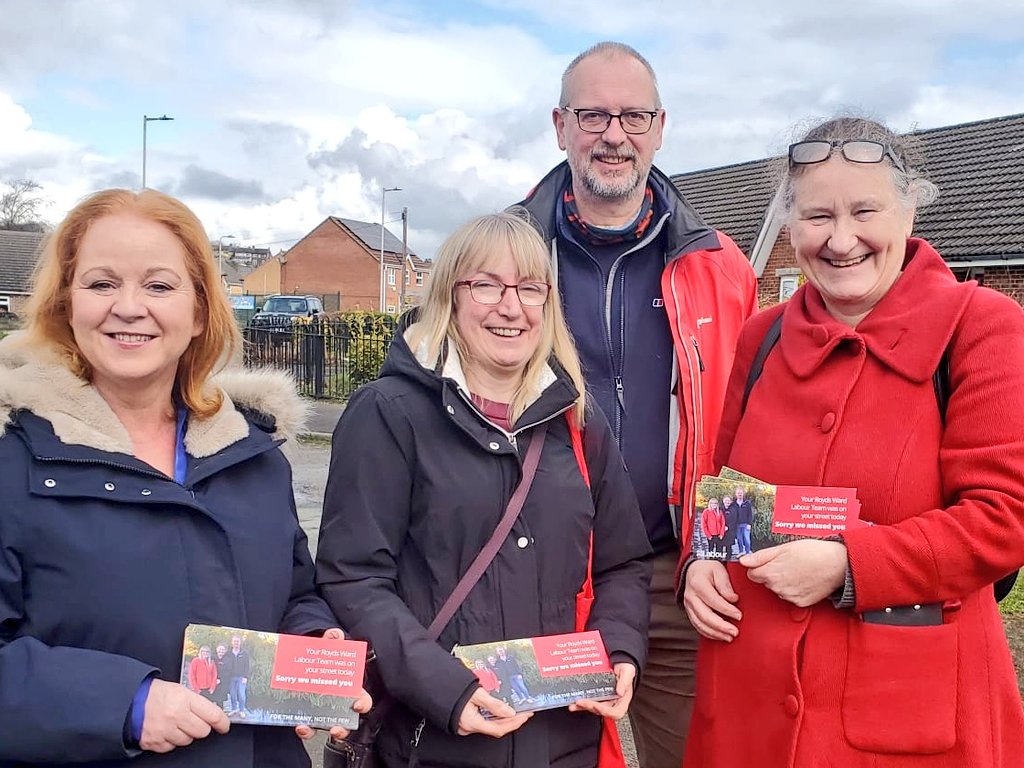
781,257
1008,280
18,302
264,280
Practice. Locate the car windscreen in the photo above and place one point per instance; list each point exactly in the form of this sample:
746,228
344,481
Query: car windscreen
290,306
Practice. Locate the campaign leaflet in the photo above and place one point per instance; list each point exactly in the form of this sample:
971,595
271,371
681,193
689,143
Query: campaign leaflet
266,678
737,514
545,672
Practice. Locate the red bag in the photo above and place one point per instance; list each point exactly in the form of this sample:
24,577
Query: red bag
609,753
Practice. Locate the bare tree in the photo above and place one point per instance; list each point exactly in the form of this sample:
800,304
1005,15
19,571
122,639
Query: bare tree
20,207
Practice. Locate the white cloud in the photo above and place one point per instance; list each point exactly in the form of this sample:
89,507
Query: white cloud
310,106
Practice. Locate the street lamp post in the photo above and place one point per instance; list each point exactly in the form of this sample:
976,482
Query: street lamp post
145,121
383,194
220,256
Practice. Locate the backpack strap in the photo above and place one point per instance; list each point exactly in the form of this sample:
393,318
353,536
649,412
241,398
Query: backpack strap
940,382
771,338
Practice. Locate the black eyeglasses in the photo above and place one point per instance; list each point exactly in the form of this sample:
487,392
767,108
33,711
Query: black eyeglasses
854,150
531,293
633,121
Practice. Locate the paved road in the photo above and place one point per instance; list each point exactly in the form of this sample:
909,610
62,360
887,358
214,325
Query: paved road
310,458
323,415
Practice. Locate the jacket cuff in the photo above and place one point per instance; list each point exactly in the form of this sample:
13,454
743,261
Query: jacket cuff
460,704
137,712
690,560
845,596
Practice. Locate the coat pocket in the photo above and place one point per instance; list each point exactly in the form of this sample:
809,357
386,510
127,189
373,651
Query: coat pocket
900,695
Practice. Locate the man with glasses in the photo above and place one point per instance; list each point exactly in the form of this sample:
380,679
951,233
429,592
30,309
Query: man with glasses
655,300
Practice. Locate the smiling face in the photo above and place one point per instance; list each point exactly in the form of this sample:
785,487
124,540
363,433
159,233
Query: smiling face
133,306
613,165
498,339
849,229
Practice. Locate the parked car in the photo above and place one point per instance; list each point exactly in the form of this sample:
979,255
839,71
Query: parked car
281,312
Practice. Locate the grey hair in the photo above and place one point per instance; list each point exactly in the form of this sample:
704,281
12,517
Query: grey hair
911,185
608,48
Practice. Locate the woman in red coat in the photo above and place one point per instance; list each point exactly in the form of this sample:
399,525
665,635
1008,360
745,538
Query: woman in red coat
202,674
883,647
712,525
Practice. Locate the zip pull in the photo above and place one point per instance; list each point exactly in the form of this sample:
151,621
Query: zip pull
620,393
417,733
700,361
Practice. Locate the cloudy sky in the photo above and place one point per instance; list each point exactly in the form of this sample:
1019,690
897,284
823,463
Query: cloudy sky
287,111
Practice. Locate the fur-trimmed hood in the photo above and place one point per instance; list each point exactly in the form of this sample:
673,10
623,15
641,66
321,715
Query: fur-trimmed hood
37,381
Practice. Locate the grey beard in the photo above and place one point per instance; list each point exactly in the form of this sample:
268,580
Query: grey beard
620,189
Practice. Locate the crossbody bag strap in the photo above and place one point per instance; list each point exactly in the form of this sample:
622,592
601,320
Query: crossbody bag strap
501,532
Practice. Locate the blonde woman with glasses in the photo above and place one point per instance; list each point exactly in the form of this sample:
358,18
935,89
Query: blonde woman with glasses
424,464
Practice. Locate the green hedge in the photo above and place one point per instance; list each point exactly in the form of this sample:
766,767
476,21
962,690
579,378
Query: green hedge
1014,602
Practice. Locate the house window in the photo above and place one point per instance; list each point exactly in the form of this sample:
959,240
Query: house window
419,278
407,277
391,276
5,303
787,286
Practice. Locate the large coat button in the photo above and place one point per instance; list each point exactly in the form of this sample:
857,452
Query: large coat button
522,542
50,482
791,705
108,486
828,421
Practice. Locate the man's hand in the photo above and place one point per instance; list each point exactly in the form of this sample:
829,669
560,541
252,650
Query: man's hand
801,572
504,719
709,600
625,676
175,717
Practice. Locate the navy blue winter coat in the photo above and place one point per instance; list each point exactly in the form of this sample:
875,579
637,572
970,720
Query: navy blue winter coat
103,561
418,482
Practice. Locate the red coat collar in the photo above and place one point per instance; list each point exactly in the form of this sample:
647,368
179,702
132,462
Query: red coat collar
907,331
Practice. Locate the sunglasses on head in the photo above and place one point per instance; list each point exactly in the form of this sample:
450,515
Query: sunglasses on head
854,150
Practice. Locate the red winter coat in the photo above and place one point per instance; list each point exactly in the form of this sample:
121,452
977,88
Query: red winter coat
849,407
202,675
488,679
712,522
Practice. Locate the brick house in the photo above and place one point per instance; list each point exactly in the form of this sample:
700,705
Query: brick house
342,256
265,279
977,224
19,252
